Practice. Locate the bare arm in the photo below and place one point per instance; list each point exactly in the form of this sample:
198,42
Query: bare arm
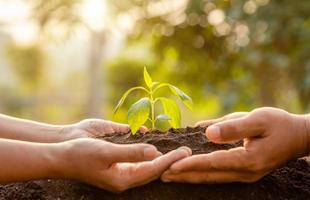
21,161
26,130
108,166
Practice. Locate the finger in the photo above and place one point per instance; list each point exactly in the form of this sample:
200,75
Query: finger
233,159
195,177
235,115
207,123
234,129
130,152
145,172
125,128
143,129
119,128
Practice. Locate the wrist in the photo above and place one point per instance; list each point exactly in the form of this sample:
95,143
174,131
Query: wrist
59,161
301,124
64,133
302,129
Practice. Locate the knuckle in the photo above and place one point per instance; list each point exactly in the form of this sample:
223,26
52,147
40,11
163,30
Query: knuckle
134,153
232,128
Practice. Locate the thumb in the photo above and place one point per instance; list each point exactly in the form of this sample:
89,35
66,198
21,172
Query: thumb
234,129
132,152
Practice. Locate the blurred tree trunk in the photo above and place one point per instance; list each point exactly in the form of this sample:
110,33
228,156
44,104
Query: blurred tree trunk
95,94
266,76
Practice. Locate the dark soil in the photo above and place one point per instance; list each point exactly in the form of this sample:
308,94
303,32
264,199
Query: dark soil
292,181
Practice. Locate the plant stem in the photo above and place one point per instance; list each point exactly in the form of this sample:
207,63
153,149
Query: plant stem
152,109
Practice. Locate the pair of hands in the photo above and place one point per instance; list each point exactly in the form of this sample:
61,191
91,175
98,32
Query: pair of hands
111,166
271,138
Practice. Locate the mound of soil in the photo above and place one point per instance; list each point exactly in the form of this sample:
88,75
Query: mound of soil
292,181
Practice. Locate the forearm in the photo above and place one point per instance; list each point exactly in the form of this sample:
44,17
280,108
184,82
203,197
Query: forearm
22,161
26,130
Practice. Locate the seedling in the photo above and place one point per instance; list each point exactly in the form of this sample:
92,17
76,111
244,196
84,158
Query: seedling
144,109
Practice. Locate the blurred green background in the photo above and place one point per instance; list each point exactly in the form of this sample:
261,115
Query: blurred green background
65,60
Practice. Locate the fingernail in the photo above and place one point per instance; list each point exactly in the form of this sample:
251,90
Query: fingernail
213,133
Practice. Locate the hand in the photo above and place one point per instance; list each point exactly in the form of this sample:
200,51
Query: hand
96,127
271,138
114,167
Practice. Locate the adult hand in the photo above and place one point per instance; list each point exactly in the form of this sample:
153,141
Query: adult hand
111,166
271,138
96,127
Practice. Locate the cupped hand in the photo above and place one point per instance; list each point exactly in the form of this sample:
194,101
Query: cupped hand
95,128
271,137
115,167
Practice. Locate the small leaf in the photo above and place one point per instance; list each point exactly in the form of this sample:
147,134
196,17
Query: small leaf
188,102
147,78
138,114
163,117
172,110
162,125
122,100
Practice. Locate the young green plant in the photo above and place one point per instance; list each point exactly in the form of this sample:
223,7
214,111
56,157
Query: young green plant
144,109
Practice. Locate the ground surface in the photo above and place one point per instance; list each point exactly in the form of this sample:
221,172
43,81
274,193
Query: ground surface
289,182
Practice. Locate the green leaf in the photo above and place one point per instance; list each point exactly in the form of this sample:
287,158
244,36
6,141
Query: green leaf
122,100
138,114
172,110
188,102
163,117
162,125
147,78
162,122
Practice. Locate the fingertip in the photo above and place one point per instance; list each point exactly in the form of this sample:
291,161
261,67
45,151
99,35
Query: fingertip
165,176
185,149
150,152
119,127
125,129
165,180
184,152
175,168
213,133
143,129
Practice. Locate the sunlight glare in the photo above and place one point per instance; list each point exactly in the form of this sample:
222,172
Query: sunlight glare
94,14
216,17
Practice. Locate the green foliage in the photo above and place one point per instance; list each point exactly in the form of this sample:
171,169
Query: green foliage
144,109
138,114
172,109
